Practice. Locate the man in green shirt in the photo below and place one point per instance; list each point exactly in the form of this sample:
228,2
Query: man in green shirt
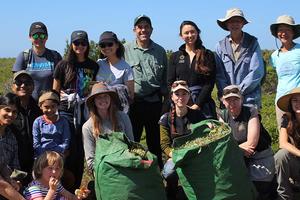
149,63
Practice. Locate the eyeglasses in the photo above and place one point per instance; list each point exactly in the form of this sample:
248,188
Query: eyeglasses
176,83
21,82
82,43
36,36
232,90
106,44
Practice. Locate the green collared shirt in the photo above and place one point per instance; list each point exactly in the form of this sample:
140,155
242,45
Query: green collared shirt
150,70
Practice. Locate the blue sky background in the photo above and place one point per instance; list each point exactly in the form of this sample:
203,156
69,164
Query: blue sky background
62,17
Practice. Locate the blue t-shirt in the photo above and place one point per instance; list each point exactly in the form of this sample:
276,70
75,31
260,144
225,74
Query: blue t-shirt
40,68
118,73
287,66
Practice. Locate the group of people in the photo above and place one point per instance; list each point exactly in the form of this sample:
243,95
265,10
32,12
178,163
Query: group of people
58,108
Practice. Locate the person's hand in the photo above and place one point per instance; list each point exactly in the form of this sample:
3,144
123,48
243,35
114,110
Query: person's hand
82,193
16,184
248,150
53,183
195,107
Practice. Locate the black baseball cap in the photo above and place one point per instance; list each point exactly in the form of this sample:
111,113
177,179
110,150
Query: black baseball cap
38,27
142,18
108,36
79,35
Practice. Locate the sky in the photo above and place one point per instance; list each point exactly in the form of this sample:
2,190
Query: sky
62,17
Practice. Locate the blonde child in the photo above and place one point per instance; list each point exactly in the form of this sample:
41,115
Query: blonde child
47,171
51,132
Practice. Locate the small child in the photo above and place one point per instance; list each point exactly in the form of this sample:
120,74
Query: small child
51,132
47,171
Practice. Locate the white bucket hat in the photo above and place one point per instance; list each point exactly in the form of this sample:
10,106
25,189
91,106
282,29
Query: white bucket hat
287,20
233,12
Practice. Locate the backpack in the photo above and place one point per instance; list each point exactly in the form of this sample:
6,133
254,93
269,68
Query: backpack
55,56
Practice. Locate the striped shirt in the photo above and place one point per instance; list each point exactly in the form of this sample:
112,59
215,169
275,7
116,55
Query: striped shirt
36,190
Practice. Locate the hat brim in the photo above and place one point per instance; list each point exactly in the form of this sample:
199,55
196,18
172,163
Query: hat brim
113,95
107,40
284,101
231,95
274,27
20,73
38,31
222,22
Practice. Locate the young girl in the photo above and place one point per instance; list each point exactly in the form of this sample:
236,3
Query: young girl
104,118
50,131
113,69
47,171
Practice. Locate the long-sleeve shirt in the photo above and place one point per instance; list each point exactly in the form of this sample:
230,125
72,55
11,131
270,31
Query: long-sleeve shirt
50,136
247,71
8,152
89,141
182,68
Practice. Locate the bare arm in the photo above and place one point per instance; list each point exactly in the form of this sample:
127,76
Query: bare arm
130,86
56,85
8,191
252,137
285,144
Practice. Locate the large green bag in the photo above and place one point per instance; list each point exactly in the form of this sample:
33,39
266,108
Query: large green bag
123,175
214,170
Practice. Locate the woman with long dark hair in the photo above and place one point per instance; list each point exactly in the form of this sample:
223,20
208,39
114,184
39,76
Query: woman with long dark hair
72,78
194,64
287,161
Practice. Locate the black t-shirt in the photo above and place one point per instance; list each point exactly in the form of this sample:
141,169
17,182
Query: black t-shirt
85,73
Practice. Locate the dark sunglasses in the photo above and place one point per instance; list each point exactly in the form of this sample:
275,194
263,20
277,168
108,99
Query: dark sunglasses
36,36
176,83
232,90
25,82
82,43
106,44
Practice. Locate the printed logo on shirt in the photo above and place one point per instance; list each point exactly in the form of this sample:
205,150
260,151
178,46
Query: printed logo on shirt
43,66
181,59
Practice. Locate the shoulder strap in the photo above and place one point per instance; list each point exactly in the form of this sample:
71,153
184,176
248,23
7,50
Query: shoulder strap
27,56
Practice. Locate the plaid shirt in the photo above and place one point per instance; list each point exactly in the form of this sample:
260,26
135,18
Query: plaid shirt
9,150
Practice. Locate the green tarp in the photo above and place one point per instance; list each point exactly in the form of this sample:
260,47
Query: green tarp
215,170
122,175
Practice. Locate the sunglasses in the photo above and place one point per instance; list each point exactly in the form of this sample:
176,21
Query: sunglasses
36,36
106,44
82,43
25,82
232,90
176,83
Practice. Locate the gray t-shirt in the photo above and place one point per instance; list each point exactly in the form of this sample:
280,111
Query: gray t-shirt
40,68
89,141
118,73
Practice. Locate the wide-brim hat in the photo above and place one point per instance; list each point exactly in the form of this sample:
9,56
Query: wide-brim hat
232,91
102,88
234,12
286,20
284,101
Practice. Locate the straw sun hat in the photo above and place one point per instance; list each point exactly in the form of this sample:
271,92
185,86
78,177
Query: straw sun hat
287,20
284,101
234,12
